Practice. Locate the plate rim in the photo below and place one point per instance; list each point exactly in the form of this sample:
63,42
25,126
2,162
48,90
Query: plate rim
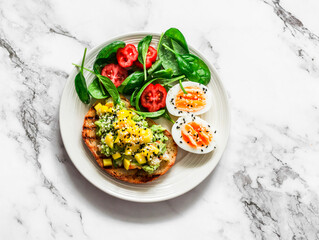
165,197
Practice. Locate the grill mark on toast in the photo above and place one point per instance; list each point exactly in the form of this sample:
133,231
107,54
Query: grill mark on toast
89,128
91,118
86,137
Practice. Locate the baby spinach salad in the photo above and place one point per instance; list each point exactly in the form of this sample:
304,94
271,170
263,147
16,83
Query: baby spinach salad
142,73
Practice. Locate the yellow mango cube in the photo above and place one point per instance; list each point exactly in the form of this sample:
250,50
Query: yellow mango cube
127,164
140,158
146,135
107,162
116,155
109,140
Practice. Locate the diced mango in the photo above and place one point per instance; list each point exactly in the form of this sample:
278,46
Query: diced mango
100,109
117,139
140,158
107,162
116,155
109,140
124,114
149,150
131,149
146,135
127,164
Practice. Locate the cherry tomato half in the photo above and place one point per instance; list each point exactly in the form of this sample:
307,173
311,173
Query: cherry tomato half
115,73
148,64
150,58
127,55
153,97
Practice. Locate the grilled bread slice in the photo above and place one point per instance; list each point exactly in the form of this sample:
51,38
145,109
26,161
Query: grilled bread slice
132,175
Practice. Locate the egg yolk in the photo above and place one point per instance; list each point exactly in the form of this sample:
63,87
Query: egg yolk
196,135
193,101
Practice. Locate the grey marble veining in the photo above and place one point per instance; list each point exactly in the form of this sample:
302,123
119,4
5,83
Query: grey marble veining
266,185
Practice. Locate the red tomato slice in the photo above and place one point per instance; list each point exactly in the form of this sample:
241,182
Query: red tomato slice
148,64
151,54
150,58
127,56
115,73
153,97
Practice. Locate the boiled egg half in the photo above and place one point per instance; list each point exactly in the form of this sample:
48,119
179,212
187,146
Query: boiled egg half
198,99
194,134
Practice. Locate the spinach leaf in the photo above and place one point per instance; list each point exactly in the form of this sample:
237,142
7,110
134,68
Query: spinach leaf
133,97
136,79
107,55
168,58
192,66
80,84
110,49
164,73
150,114
175,40
142,51
110,87
108,84
133,81
178,37
167,81
182,87
95,90
154,66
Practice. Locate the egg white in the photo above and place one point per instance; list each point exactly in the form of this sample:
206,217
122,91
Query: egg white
177,134
170,104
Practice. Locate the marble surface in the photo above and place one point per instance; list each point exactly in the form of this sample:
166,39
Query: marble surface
267,183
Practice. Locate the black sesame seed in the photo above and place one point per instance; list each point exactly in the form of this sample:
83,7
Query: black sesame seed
202,150
215,131
180,142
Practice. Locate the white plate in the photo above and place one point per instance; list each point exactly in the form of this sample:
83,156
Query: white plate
189,169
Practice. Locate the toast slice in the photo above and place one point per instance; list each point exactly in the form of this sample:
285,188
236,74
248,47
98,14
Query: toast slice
132,175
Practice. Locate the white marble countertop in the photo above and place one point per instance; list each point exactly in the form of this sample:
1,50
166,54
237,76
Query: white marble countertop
266,185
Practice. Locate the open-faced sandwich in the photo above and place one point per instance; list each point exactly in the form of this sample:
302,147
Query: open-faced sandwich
126,145
159,81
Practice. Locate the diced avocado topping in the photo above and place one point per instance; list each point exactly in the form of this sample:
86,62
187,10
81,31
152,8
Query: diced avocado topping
127,140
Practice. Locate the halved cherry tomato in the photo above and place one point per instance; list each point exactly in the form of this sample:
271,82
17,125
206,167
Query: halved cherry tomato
115,73
127,55
150,58
148,64
153,97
